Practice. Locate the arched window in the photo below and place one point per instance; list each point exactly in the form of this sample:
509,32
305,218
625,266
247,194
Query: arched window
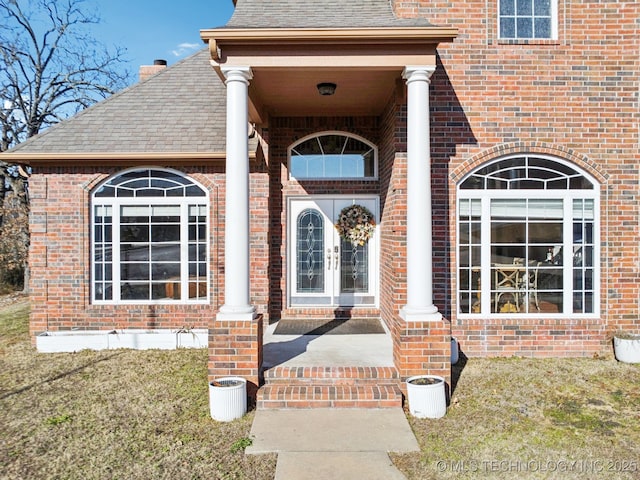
333,155
150,238
528,239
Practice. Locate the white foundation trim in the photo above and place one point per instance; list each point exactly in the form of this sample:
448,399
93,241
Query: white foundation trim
73,341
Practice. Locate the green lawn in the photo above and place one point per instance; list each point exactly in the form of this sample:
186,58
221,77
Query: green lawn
144,415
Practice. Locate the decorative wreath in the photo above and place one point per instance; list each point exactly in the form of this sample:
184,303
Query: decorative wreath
356,224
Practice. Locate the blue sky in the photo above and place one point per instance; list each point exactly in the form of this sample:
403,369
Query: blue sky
158,29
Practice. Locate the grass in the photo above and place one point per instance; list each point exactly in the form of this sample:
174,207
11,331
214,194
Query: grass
534,418
113,414
144,414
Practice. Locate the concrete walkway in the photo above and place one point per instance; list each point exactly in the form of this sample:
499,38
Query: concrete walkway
333,443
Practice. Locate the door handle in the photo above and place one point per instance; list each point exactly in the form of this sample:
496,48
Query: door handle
328,258
336,249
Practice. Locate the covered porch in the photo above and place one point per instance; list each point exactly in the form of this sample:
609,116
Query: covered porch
329,370
380,75
327,350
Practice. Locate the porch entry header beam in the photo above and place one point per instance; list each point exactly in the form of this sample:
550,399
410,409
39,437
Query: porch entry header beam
221,39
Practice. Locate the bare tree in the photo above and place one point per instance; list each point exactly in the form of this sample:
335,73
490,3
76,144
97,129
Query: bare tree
51,67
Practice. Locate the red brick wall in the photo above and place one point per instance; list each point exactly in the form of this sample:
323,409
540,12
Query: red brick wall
60,254
576,98
422,348
235,349
393,203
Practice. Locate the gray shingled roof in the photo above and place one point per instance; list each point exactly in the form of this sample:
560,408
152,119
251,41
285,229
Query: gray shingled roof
183,108
318,14
180,109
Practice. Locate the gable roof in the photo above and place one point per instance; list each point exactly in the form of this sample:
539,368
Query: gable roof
181,109
318,14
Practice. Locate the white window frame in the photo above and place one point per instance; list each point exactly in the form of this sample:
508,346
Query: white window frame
554,25
567,196
184,203
373,148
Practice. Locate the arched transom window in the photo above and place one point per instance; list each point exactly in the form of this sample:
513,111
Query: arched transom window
149,238
528,239
332,155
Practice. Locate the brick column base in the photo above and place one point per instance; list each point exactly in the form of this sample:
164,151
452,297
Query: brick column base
235,349
421,348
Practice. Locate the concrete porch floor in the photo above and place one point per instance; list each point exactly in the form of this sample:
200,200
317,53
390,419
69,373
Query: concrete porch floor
362,350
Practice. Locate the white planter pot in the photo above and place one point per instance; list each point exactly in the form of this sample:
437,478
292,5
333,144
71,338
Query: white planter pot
627,350
228,398
428,400
455,351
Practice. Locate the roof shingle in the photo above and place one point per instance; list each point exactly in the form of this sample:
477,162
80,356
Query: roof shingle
183,109
180,110
318,14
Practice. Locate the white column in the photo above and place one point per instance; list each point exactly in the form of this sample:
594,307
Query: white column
419,305
236,234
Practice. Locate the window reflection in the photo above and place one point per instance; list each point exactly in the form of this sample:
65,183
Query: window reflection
525,19
332,156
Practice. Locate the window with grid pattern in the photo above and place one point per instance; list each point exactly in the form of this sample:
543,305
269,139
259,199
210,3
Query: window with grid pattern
150,239
335,155
527,19
532,220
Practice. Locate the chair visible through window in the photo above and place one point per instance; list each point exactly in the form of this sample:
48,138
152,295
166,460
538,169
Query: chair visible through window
507,282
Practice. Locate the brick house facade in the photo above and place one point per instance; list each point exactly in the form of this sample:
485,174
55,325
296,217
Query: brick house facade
568,102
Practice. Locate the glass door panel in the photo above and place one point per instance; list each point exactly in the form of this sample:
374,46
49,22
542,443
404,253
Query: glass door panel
354,268
310,277
355,282
311,253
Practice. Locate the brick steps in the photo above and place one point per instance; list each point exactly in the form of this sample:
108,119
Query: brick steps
324,387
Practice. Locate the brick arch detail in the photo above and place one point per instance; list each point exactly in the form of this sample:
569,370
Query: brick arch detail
95,181
492,153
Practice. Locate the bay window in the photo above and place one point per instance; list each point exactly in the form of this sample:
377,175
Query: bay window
149,239
527,228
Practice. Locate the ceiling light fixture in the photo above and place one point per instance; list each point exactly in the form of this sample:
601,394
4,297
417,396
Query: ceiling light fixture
326,88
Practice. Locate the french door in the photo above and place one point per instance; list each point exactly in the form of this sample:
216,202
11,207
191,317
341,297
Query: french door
324,269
